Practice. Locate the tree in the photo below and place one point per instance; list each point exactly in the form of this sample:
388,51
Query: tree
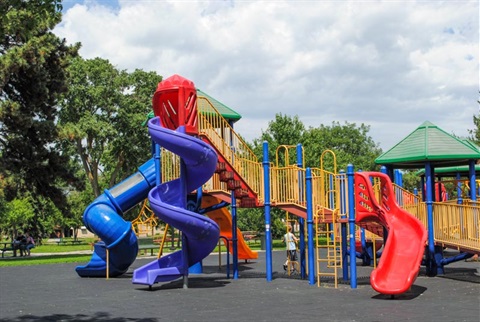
101,119
350,144
78,201
475,133
284,130
17,216
33,65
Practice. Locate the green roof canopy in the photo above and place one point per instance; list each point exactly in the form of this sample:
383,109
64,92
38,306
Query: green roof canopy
452,171
226,112
429,143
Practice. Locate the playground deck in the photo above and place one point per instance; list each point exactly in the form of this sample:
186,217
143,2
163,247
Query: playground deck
56,293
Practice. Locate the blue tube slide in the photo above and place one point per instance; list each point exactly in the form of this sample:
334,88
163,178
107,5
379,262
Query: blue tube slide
168,200
103,218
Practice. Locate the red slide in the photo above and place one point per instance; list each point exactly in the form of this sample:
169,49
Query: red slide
401,258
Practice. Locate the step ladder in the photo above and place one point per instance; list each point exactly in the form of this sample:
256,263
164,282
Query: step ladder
329,258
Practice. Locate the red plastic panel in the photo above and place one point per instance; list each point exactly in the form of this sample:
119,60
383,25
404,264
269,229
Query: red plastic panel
175,102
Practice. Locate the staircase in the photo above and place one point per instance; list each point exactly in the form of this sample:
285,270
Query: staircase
238,167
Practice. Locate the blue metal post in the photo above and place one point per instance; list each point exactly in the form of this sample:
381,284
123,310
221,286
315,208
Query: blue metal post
473,184
459,189
158,165
351,223
343,207
311,255
268,236
424,188
303,271
234,237
473,188
431,263
183,204
429,202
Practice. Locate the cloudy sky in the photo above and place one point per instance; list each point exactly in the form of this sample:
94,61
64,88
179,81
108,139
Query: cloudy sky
388,64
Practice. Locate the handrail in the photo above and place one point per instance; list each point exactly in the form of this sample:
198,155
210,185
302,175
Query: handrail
213,126
285,185
457,225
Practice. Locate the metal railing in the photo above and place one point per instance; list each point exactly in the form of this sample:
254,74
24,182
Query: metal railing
213,126
286,185
457,225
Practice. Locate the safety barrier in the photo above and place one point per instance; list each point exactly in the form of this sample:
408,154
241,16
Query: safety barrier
230,145
287,185
457,225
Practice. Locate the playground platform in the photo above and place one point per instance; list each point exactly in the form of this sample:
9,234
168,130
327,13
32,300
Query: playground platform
56,293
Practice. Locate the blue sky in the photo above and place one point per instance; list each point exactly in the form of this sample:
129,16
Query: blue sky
388,64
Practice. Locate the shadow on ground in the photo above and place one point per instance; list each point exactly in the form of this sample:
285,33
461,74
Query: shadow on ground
97,316
414,292
202,283
470,275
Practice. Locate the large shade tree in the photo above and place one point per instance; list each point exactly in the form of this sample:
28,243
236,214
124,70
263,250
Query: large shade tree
33,64
349,143
101,120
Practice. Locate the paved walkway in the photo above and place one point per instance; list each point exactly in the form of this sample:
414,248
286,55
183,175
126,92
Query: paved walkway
55,293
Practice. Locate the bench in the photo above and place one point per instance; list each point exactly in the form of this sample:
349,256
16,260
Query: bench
147,243
7,247
60,241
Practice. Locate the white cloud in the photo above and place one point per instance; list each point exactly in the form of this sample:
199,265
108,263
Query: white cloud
389,64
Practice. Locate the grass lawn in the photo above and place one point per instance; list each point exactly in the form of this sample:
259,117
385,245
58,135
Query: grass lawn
84,258
48,259
41,260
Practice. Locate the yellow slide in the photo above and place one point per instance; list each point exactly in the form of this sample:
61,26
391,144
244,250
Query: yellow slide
224,220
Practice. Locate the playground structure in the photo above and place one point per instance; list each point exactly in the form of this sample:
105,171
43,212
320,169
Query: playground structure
146,221
198,150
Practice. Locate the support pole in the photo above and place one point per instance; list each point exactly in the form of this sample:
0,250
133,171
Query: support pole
303,271
473,183
234,237
343,207
351,225
108,263
311,254
268,236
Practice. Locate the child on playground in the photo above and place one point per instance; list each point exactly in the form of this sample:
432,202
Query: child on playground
291,244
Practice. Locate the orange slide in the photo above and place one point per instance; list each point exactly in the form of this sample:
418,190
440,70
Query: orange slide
224,220
401,258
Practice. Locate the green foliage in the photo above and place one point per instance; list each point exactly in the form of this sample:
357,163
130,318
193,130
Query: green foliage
38,216
253,219
16,217
411,180
475,132
350,144
78,201
101,119
32,75
284,130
